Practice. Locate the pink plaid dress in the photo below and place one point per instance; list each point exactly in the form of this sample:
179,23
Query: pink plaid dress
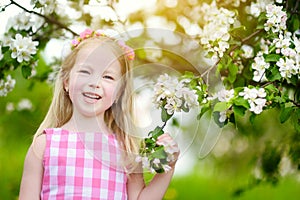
82,166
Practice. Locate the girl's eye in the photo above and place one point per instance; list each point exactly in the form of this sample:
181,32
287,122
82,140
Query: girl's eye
84,71
108,77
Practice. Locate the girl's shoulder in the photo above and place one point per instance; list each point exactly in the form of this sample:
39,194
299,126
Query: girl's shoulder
38,145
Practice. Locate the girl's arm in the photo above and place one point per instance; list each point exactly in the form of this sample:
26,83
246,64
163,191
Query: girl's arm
33,170
156,189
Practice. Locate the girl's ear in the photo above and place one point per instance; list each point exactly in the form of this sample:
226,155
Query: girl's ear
66,85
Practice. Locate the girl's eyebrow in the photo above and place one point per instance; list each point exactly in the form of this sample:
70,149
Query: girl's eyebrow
84,65
111,71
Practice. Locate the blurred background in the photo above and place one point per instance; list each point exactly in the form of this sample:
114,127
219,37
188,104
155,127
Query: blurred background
240,156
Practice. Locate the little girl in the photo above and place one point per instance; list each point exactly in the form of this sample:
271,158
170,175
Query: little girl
85,148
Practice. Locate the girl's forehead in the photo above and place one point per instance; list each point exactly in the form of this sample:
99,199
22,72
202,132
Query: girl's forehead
97,54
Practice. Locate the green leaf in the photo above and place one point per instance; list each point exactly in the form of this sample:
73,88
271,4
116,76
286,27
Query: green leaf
156,132
204,109
240,101
233,69
164,115
271,88
175,122
220,106
239,110
294,80
252,118
159,153
296,119
285,113
188,74
273,74
272,57
26,71
296,22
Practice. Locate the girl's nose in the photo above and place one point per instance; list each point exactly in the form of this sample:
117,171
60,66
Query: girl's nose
94,83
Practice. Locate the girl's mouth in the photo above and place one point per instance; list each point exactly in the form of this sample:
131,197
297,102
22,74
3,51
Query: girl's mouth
92,95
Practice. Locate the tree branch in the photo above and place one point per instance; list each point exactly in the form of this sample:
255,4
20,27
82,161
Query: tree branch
246,39
47,19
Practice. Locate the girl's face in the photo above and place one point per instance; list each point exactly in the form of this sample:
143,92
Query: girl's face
93,81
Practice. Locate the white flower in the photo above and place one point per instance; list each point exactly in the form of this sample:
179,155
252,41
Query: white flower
255,98
264,47
261,92
172,105
283,41
10,107
22,48
276,18
24,104
20,22
249,93
223,116
166,168
108,14
172,94
224,95
257,105
6,86
287,67
247,51
156,161
258,7
145,162
259,66
296,42
215,33
48,5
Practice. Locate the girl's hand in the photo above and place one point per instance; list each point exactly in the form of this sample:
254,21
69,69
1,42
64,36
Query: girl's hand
171,147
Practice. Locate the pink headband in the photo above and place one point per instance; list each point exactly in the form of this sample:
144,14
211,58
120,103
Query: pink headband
88,33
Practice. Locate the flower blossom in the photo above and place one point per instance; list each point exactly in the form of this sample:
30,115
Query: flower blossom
223,95
248,51
174,95
276,18
48,6
24,104
259,66
256,98
22,48
223,116
6,86
215,33
22,21
287,67
258,7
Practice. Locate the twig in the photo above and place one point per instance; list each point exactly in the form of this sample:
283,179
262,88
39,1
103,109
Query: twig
296,6
47,19
4,7
246,39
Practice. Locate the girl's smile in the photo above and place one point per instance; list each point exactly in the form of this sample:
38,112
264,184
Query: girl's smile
91,97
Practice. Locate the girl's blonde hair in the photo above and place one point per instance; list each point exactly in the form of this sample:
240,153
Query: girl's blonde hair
118,118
